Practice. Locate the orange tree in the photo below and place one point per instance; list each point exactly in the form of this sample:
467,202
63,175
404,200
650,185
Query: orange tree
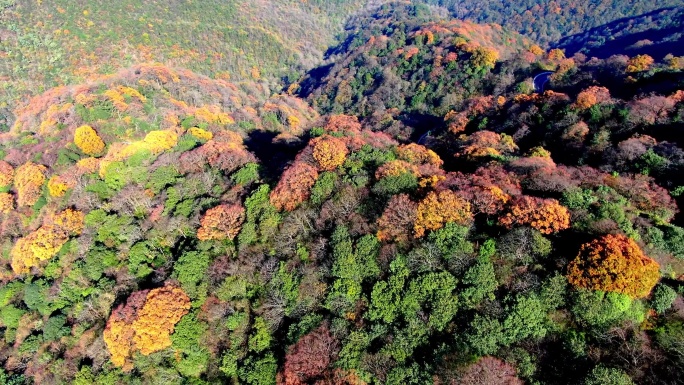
294,186
221,222
546,215
614,263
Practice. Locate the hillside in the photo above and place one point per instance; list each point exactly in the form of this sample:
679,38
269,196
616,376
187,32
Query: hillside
547,21
398,69
162,226
657,34
48,44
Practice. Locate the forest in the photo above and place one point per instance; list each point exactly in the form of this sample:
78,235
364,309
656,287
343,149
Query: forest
388,198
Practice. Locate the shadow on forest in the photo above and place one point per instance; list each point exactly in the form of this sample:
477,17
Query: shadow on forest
273,156
618,39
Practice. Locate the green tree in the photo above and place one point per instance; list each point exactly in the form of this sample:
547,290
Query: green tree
602,375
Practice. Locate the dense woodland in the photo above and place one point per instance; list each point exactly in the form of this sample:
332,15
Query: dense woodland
164,225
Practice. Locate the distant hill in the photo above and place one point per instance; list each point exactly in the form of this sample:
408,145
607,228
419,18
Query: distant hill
656,33
52,43
547,21
395,66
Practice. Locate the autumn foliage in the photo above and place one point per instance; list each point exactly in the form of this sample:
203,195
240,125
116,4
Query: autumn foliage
417,154
145,324
310,358
639,63
44,243
592,96
397,220
438,208
88,140
221,222
614,263
6,173
29,180
294,187
546,215
490,371
329,152
6,203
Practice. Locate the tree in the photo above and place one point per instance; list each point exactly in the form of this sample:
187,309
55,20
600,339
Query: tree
438,208
6,203
396,222
58,186
490,371
663,298
44,243
484,57
614,263
602,375
6,173
221,222
417,154
88,141
294,186
546,215
639,63
29,181
160,140
592,96
329,152
310,357
145,323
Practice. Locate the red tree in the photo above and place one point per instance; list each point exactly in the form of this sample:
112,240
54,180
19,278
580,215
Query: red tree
310,358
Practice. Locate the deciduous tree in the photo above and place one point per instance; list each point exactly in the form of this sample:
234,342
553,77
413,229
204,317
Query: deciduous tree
329,152
311,357
546,215
294,186
88,141
396,222
438,208
29,181
221,222
614,263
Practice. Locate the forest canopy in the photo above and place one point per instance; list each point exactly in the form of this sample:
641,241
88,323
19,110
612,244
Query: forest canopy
416,210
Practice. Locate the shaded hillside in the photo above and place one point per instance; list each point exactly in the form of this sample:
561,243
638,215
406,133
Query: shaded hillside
657,34
547,21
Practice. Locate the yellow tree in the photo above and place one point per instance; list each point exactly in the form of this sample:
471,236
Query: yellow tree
639,63
329,152
438,208
144,324
44,243
29,181
87,139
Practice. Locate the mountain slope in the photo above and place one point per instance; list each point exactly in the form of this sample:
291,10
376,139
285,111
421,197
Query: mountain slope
547,21
47,44
656,34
